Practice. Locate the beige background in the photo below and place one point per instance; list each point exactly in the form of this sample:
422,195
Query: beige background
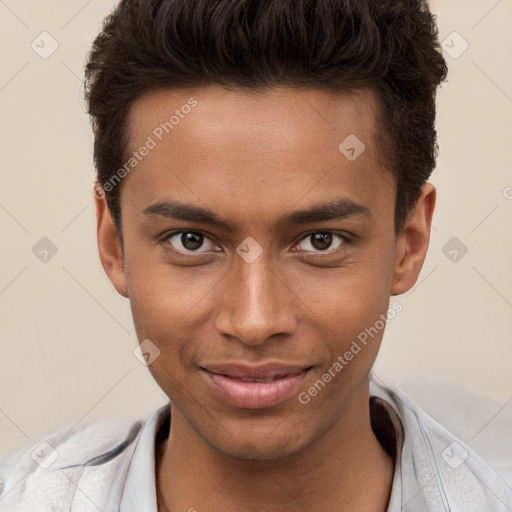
67,338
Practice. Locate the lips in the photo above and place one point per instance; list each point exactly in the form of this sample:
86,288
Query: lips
254,387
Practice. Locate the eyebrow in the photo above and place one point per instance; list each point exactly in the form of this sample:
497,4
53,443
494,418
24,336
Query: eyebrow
333,209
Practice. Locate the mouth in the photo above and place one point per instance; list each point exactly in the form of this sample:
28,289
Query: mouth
254,387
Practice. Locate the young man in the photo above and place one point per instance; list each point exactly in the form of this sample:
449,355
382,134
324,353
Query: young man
262,192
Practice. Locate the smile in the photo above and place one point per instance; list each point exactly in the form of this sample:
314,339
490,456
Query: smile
254,392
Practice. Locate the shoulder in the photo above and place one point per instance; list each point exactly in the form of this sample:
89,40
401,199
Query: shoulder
46,469
437,467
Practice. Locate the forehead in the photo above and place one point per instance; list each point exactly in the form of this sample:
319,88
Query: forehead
214,142
305,114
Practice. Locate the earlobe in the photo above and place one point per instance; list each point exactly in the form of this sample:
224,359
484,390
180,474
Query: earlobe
412,244
109,245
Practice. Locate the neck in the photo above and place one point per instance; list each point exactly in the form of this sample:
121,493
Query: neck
346,469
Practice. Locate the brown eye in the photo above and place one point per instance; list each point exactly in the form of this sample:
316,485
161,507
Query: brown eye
320,241
186,241
192,241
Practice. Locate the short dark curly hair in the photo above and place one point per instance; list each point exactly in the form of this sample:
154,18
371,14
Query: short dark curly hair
390,46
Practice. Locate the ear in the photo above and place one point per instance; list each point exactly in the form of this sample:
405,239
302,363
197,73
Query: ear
109,245
412,244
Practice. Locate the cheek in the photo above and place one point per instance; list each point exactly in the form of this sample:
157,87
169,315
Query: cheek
164,300
169,308
348,298
346,305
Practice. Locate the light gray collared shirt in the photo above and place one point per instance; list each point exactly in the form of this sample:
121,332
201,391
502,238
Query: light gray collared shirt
109,465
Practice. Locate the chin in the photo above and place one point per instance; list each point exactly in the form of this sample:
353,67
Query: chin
266,447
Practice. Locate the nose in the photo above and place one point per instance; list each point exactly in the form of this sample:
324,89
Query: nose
256,304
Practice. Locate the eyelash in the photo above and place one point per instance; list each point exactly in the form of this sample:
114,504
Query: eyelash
345,241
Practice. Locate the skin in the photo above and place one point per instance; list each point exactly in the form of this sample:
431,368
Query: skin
253,158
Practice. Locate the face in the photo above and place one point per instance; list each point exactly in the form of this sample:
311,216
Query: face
256,251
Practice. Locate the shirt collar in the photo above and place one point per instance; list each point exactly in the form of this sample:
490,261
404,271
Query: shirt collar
139,491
